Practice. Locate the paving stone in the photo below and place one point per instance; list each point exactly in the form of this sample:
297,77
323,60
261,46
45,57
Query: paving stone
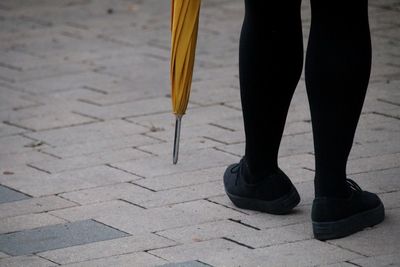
13,160
127,260
339,264
234,149
304,253
216,252
300,175
54,120
234,231
41,184
123,95
18,172
105,193
3,255
10,99
298,113
391,199
83,133
73,95
156,166
377,122
107,248
269,237
207,231
193,116
374,136
378,261
167,217
114,207
379,240
19,61
234,104
14,144
373,148
303,228
26,261
113,88
373,163
164,182
299,168
33,205
234,123
91,147
291,128
190,145
10,195
67,81
217,92
6,130
176,195
381,105
57,236
136,108
51,71
224,72
44,109
115,67
379,181
27,221
306,191
185,264
64,43
85,161
265,221
290,145
225,201
296,144
205,131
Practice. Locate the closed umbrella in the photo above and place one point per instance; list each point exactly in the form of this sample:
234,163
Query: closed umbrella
184,26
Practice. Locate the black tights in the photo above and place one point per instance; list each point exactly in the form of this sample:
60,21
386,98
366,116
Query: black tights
337,71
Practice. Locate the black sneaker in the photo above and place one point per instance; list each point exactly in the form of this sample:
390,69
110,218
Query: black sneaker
339,217
273,194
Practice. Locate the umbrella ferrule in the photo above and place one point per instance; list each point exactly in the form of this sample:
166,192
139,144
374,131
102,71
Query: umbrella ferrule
178,121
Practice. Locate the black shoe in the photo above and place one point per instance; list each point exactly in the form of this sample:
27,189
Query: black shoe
339,217
273,194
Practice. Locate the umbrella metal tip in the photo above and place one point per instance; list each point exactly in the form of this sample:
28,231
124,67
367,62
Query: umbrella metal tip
176,138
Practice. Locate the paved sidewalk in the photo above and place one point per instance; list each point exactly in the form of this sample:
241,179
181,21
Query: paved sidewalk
86,139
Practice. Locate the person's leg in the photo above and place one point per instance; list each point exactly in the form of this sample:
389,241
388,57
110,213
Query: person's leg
270,65
338,66
337,71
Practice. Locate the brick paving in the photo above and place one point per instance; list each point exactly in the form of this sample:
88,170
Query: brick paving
86,138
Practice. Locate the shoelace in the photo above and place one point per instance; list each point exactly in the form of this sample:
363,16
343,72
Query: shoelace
353,185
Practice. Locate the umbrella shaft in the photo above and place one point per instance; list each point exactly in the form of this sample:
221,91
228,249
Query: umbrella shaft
176,138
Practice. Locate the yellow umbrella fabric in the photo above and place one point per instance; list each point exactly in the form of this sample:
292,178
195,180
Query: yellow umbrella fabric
184,27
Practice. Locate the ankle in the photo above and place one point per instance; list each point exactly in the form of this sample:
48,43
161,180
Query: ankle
331,188
254,176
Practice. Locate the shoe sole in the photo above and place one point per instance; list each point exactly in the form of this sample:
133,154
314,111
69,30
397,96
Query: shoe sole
282,205
341,228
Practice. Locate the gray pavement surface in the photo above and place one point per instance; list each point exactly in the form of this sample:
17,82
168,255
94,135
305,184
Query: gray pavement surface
86,138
